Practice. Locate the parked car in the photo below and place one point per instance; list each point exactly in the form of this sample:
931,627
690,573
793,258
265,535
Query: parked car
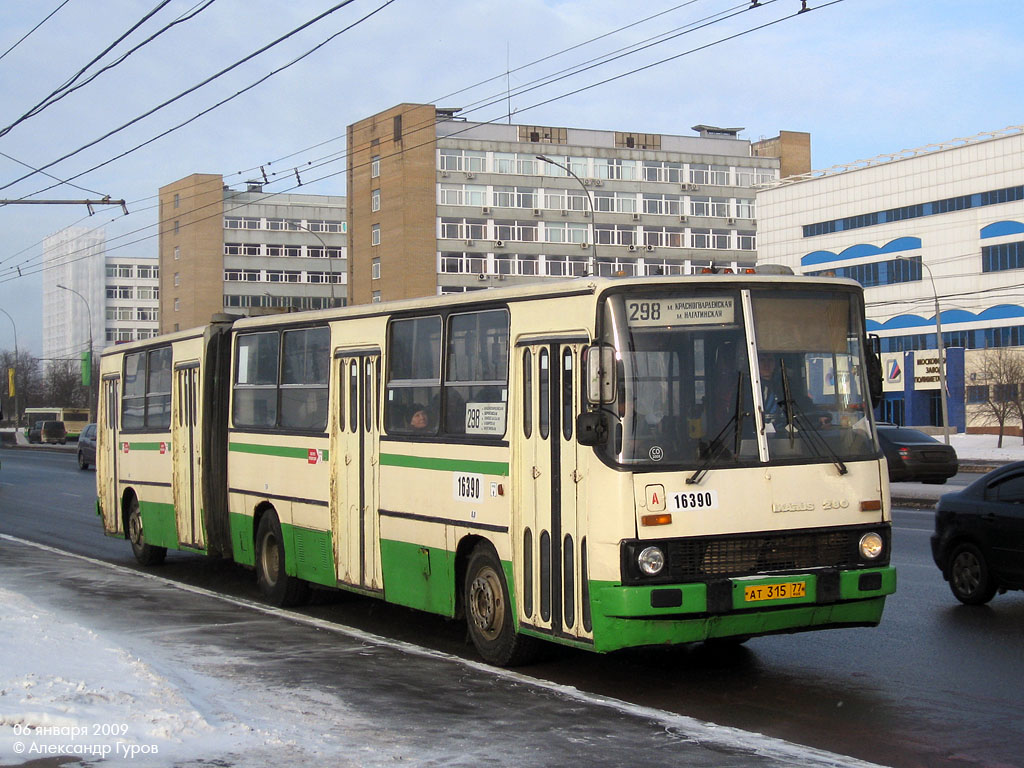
48,432
87,446
913,455
978,542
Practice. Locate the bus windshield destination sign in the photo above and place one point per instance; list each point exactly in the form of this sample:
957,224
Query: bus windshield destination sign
703,310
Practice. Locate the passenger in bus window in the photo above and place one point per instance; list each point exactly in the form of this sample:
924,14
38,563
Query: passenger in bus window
419,421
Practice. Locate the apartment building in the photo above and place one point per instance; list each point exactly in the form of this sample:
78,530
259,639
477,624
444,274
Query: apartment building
247,251
89,295
438,204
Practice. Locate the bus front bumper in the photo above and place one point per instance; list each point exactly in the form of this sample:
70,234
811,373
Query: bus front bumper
626,616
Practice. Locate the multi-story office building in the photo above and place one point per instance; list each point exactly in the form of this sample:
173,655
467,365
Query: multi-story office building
118,295
442,205
244,251
944,224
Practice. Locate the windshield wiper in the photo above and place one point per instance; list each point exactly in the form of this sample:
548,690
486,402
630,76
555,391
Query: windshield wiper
718,441
795,416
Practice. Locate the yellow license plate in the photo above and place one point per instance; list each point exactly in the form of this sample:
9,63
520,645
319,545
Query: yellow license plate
775,591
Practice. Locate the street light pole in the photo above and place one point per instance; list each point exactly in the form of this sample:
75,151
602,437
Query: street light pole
92,384
590,202
327,255
16,387
940,348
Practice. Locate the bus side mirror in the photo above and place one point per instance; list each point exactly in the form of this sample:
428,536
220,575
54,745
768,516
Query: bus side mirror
591,428
600,374
874,371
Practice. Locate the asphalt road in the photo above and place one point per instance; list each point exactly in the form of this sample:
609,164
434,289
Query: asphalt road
937,684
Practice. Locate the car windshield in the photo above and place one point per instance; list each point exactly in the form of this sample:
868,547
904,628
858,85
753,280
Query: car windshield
685,380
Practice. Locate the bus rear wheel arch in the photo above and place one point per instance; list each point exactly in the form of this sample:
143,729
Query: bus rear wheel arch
274,582
145,553
488,611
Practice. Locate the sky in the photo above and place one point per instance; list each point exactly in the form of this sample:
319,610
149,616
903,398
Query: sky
863,77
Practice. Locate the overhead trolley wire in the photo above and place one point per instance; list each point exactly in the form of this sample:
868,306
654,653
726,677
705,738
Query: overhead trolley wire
37,26
534,106
186,92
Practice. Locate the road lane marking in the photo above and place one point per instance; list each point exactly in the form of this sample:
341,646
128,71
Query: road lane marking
703,732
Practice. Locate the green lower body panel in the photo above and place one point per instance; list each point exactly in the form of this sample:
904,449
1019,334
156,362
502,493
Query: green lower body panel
418,577
669,614
242,539
311,552
159,526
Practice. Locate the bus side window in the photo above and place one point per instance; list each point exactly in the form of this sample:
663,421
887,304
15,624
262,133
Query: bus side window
342,389
527,393
544,379
568,412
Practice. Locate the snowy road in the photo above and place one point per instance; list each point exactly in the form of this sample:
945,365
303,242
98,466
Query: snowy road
99,661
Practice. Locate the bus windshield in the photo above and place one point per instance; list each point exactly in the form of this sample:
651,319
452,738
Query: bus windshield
691,391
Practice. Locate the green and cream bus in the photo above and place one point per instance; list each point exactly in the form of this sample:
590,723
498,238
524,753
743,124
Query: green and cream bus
600,463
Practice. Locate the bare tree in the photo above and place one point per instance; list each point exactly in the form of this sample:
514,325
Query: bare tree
64,384
1000,396
28,382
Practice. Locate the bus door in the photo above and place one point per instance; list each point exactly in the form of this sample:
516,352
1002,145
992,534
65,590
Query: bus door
550,522
107,452
185,442
355,469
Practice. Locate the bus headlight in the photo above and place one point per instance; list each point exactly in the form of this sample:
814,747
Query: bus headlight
871,546
651,560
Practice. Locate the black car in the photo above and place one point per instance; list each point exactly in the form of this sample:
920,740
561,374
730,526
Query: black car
87,447
913,455
978,542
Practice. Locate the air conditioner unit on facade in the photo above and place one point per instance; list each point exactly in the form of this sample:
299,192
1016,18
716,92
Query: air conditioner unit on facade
650,249
536,211
470,175
636,217
631,248
682,217
499,243
469,242
485,210
565,213
731,220
444,174
598,183
584,246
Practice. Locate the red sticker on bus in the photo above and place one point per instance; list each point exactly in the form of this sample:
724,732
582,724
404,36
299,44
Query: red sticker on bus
314,456
163,447
125,447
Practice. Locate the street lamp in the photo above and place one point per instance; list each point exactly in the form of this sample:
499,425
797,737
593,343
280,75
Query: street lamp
16,420
940,348
590,202
92,384
327,254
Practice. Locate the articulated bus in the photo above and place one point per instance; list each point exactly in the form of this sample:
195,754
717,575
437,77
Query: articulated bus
604,463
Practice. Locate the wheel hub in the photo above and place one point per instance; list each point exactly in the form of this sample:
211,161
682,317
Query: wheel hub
485,604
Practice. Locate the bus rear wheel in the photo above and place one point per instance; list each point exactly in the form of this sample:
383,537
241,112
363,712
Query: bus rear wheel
489,612
145,553
276,585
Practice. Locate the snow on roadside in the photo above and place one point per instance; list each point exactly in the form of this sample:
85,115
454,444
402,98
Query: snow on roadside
68,691
983,447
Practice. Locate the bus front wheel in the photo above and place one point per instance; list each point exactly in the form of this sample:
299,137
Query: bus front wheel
489,612
276,585
145,553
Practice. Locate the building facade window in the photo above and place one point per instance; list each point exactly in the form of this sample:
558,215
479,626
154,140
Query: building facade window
375,200
375,269
375,235
375,166
997,258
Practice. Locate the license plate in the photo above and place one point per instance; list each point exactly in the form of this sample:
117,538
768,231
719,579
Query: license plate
775,591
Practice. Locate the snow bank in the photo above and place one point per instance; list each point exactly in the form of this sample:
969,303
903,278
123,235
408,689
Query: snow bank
983,447
66,690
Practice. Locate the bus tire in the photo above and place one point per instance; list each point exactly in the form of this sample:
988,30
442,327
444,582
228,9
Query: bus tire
145,553
489,612
276,585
